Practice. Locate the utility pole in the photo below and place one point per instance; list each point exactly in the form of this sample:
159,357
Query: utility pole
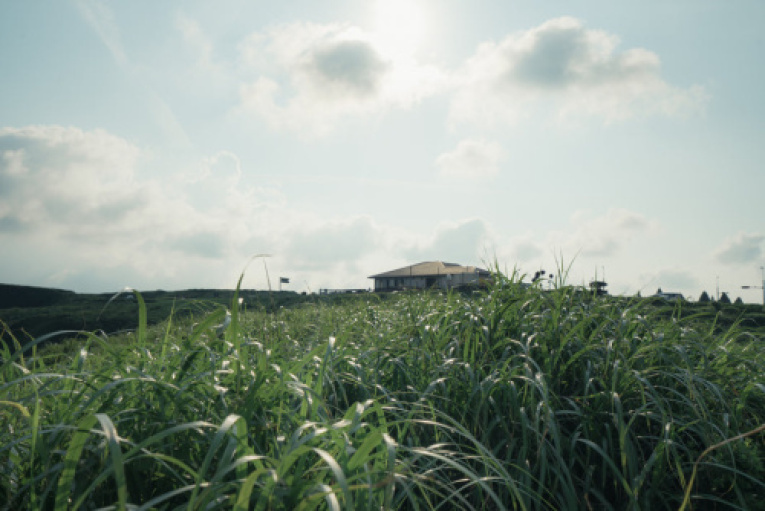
762,269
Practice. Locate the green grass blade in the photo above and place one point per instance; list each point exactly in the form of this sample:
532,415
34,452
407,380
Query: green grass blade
339,476
71,459
115,455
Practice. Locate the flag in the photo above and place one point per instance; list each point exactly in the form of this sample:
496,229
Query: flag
284,280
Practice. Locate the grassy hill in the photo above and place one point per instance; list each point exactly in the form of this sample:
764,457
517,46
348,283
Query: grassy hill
12,296
507,398
29,312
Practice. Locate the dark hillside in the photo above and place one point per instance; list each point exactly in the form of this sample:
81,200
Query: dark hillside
27,296
28,312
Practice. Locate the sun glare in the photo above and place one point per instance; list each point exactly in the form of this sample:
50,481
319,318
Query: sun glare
399,26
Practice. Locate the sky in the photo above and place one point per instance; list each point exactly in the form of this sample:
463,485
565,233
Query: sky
167,145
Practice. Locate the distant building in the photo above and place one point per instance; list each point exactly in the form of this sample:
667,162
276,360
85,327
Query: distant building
430,274
598,287
668,296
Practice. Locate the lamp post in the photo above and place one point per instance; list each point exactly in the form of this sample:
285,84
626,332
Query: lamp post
762,269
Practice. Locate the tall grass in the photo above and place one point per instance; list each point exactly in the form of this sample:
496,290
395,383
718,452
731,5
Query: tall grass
508,398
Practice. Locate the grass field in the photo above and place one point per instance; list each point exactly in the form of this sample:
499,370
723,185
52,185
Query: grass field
34,312
506,398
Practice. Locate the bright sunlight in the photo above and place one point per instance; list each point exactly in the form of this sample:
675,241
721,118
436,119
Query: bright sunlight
400,26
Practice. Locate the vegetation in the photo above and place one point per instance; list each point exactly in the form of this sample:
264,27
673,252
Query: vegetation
31,312
506,398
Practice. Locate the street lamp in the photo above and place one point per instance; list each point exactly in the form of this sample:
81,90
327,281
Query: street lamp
762,269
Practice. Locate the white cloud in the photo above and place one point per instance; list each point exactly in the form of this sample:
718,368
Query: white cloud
319,244
522,249
55,174
476,241
566,70
80,194
602,236
76,213
73,203
308,77
741,249
464,242
471,159
13,162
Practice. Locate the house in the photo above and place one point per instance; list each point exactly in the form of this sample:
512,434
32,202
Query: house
668,296
430,274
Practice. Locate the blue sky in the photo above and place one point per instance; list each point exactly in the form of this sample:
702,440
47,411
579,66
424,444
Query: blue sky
163,144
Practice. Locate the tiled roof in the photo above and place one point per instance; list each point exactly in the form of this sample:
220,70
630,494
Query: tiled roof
430,269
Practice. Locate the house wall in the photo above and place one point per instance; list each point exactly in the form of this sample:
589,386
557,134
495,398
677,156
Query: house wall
382,284
457,280
441,281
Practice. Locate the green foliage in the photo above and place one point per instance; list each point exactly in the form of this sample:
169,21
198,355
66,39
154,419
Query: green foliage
506,398
37,311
